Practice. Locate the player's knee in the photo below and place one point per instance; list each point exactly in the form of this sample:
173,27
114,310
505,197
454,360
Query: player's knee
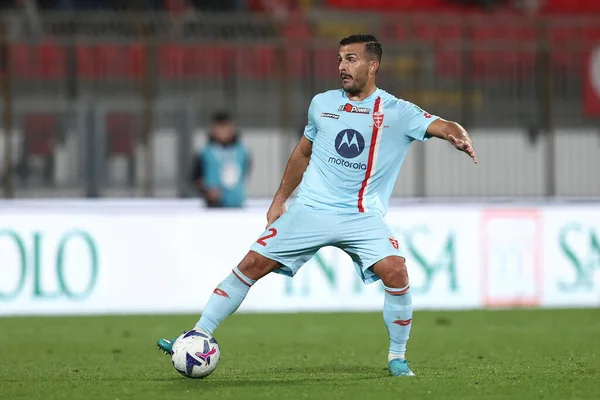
255,266
394,273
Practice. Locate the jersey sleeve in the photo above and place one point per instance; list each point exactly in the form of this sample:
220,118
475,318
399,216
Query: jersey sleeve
414,121
310,131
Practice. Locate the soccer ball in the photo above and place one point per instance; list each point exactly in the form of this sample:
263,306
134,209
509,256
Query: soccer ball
195,354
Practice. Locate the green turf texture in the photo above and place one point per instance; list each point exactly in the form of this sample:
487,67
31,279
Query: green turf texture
521,354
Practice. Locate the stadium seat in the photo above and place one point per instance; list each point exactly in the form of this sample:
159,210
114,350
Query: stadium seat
170,60
201,61
591,33
504,28
86,61
116,61
122,133
296,33
568,44
51,61
436,33
122,130
448,62
325,63
500,48
22,61
107,60
192,61
40,131
559,39
255,62
138,53
562,7
297,62
41,61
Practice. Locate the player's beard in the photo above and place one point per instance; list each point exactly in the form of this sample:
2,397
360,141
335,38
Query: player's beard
354,88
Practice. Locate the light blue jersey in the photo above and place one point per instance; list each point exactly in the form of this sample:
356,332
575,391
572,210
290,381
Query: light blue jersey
358,148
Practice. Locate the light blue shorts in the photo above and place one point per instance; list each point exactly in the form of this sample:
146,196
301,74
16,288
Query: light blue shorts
298,234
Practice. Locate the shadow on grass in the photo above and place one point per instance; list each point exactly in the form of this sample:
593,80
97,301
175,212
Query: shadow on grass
223,378
288,377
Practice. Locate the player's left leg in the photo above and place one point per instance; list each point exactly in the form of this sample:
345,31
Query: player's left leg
397,311
370,243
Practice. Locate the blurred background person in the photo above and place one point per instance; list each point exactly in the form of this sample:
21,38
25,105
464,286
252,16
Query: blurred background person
222,167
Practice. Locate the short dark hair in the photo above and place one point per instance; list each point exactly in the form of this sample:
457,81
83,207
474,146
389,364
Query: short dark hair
220,117
372,46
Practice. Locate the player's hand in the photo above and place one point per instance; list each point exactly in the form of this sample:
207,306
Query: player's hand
275,211
213,196
465,145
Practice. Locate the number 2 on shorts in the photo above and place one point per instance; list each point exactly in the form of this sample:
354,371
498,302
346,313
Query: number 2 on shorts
261,240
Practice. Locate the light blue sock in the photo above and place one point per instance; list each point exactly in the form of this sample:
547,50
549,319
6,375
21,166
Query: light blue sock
397,315
225,300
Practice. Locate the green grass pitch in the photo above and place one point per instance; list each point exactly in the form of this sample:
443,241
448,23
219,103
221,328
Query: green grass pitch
519,354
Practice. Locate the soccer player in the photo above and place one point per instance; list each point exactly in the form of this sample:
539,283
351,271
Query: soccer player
346,165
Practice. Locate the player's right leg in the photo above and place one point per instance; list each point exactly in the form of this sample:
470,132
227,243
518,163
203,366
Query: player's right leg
229,294
284,247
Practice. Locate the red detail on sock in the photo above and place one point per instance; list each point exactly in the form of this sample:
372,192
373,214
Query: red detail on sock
403,322
394,293
220,292
243,281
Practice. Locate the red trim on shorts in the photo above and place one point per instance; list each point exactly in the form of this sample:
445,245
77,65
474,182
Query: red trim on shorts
363,187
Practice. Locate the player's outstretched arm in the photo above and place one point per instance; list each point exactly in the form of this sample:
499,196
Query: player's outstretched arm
455,134
292,176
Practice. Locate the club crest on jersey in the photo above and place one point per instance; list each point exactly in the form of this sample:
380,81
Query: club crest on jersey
353,109
378,118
